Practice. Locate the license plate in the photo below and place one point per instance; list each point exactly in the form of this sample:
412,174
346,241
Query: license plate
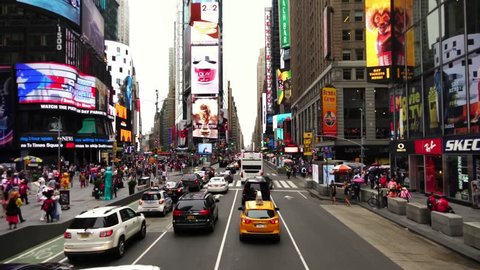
84,235
169,192
190,217
260,225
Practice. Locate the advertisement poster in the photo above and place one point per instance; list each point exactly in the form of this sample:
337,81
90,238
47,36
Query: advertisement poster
284,85
204,33
284,23
69,9
205,118
205,70
315,173
93,26
307,143
327,176
49,83
6,106
205,148
385,38
329,111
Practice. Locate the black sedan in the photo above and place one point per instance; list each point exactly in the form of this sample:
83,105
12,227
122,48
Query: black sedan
175,189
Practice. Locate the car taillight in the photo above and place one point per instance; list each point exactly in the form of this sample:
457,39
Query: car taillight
204,212
67,235
196,182
246,221
261,172
177,213
161,201
241,174
140,202
106,233
179,190
274,220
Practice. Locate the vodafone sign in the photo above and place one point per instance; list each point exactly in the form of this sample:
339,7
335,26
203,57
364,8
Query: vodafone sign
428,146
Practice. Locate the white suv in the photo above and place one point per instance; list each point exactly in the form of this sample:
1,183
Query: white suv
103,229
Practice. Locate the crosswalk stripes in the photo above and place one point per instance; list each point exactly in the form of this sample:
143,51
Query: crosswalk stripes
278,184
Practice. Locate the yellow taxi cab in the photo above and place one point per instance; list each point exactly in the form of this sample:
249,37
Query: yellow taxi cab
259,218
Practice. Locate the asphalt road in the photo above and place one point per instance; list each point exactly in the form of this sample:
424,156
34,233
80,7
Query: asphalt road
315,235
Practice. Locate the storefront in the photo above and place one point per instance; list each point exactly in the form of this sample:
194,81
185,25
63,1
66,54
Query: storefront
427,166
462,168
400,153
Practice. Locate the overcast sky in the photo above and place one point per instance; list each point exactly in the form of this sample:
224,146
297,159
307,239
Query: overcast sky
152,33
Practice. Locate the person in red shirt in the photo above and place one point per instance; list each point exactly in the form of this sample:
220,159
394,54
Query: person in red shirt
383,181
432,202
442,206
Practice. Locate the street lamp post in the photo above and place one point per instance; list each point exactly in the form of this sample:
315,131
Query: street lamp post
59,139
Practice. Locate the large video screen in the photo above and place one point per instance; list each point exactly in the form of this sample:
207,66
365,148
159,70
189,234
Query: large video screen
204,70
50,83
6,107
93,26
69,9
205,118
205,148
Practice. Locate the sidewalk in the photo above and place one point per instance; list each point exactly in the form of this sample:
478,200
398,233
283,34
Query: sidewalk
454,243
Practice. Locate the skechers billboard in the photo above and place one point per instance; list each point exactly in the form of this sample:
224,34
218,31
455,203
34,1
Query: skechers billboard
59,86
69,9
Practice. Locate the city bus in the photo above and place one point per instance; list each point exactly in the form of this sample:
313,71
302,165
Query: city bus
251,164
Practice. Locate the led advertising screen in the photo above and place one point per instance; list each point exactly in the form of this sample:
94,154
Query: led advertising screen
6,107
284,85
204,33
205,118
93,26
123,124
279,119
329,111
385,39
205,148
204,70
206,12
284,19
50,83
70,9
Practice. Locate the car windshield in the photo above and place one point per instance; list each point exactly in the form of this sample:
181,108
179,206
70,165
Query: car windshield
150,196
94,222
189,177
170,184
260,214
191,205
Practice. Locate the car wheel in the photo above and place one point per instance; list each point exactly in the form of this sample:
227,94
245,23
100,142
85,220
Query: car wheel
241,237
211,228
164,212
277,238
143,231
72,258
120,250
176,231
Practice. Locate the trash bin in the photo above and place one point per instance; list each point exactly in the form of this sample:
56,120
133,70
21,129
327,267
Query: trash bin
65,199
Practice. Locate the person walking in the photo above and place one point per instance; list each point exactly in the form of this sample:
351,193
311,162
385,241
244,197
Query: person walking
12,210
333,191
48,206
19,202
23,190
346,192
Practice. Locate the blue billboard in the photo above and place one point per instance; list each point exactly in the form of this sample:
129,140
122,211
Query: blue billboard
70,9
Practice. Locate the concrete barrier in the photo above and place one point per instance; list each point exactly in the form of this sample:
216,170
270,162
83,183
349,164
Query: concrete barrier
397,205
418,212
447,223
471,234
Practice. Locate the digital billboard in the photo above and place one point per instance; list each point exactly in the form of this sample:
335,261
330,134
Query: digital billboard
50,83
204,70
6,106
123,124
284,85
204,33
205,118
284,18
204,148
70,9
207,12
386,41
93,26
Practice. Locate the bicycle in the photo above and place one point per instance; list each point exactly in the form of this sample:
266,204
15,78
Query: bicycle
373,200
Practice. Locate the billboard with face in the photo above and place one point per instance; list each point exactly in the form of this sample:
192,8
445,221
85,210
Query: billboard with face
70,9
205,118
204,70
50,83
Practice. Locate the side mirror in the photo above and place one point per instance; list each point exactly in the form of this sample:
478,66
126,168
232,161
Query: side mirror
240,208
277,209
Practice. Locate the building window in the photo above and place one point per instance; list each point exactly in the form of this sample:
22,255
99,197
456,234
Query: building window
114,58
358,34
124,60
359,54
118,81
347,74
352,110
121,70
346,16
118,49
360,73
346,55
109,68
358,15
345,34
126,52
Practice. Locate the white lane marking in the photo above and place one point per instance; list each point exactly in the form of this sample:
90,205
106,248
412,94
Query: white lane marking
219,256
274,174
277,184
39,247
303,195
239,184
63,260
54,256
151,246
230,185
293,240
284,184
292,184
